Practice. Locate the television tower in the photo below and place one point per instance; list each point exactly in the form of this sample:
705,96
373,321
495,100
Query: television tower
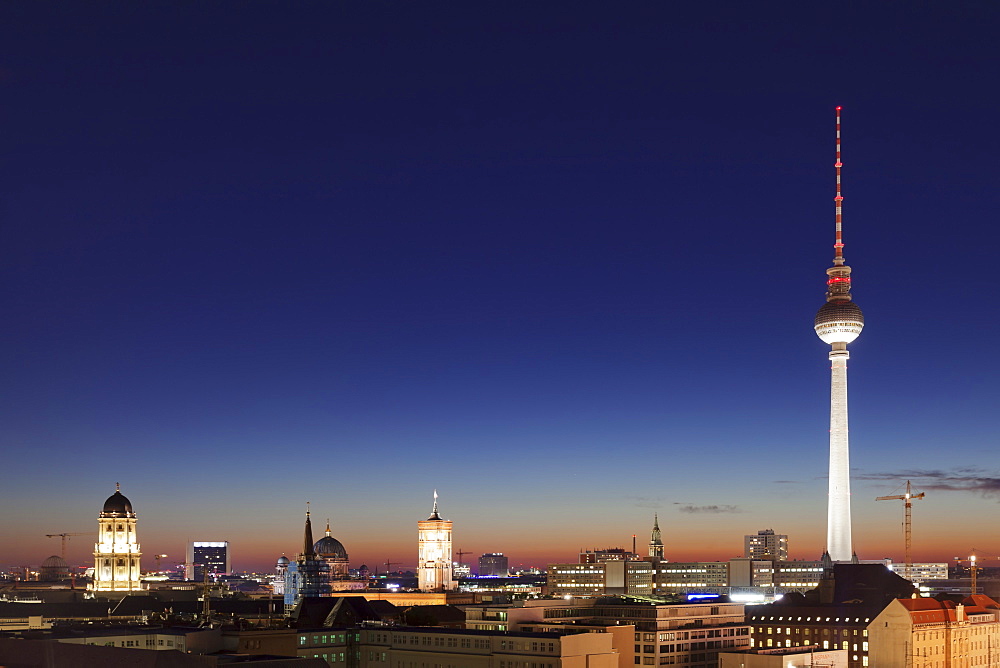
838,322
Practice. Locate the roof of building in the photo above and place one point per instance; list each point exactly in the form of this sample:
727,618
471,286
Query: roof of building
117,503
433,615
41,652
55,561
104,631
328,546
933,611
328,611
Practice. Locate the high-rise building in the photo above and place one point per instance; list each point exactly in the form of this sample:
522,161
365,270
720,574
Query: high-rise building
211,556
116,553
838,322
434,552
493,564
655,543
766,545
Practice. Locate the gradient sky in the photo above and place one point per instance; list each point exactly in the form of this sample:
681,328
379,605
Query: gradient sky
557,260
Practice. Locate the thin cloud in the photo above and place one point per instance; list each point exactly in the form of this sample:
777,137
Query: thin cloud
654,502
976,481
709,510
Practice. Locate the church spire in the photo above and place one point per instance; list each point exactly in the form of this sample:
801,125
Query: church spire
308,545
655,543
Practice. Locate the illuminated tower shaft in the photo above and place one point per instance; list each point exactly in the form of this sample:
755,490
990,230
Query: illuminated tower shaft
838,323
838,519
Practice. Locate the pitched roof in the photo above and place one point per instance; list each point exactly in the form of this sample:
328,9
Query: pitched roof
933,611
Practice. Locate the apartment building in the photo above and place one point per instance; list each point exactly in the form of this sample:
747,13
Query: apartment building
927,633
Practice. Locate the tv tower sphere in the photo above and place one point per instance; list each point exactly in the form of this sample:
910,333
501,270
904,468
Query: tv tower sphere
839,321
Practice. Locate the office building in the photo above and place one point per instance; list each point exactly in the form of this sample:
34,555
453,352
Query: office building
766,544
607,554
493,564
600,578
665,634
922,572
209,557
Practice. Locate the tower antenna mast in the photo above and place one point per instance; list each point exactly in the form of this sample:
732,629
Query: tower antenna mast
838,246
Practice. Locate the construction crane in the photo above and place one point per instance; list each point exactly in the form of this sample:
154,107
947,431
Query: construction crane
907,500
65,537
974,559
461,553
388,566
158,557
972,567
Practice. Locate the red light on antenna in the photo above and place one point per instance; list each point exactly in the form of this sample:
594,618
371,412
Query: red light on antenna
839,108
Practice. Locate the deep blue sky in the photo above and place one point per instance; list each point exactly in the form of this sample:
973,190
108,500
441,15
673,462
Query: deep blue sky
557,260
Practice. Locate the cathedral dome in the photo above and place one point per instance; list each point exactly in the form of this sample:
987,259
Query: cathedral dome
329,547
55,561
283,560
54,568
117,503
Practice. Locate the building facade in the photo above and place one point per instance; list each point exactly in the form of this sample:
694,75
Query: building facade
493,564
206,556
766,544
601,578
434,565
665,634
927,633
922,572
116,553
835,615
743,579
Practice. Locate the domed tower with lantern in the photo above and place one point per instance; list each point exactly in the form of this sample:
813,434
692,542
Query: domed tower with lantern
332,551
116,553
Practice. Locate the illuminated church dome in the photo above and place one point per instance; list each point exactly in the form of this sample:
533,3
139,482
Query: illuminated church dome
329,547
117,504
839,321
